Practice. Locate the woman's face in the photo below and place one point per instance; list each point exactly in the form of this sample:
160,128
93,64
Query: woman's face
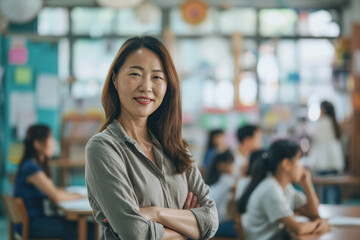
141,84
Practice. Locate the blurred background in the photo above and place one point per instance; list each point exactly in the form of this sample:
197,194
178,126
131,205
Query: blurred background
269,63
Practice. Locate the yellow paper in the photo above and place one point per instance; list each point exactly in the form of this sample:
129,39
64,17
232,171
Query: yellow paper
15,152
23,76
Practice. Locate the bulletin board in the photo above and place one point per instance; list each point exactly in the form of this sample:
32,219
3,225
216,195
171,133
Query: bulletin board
31,92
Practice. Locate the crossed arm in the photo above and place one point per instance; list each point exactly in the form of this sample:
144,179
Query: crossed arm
178,223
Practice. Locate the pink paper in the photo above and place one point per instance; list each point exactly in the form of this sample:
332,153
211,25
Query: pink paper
18,56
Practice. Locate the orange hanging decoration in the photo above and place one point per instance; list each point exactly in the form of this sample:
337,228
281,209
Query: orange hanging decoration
194,11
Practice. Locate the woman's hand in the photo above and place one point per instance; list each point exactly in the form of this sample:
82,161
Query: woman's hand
191,201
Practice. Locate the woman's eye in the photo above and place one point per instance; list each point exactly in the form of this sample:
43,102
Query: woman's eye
158,77
135,74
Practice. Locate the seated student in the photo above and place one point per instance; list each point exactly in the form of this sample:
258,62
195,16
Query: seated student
33,184
250,140
244,181
216,143
221,182
269,202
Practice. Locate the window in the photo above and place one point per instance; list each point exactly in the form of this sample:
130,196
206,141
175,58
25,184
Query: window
277,22
95,22
92,59
242,20
134,22
53,22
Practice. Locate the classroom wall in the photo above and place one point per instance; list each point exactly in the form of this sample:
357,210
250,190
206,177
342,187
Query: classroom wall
42,59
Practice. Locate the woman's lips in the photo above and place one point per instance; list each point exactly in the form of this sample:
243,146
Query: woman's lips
143,100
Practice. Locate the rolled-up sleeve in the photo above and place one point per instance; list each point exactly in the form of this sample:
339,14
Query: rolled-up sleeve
111,188
206,215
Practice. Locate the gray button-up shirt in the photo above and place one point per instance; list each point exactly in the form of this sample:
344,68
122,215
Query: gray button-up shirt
120,179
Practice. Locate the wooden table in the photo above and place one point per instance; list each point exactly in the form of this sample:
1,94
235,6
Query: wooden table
337,232
79,210
343,181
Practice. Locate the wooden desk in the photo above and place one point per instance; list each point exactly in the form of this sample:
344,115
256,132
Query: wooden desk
337,232
344,181
79,210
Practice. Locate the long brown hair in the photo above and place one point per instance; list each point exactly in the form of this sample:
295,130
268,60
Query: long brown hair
329,111
166,122
34,133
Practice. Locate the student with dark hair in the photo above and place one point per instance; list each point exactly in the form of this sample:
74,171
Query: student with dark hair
244,181
326,156
269,201
33,184
215,144
250,139
221,181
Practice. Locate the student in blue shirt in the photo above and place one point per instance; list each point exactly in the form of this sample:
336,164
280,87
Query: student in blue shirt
33,184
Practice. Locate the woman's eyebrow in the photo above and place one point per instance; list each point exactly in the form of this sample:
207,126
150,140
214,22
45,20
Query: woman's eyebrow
142,69
137,67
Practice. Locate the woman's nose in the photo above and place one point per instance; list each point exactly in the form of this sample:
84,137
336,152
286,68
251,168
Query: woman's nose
146,84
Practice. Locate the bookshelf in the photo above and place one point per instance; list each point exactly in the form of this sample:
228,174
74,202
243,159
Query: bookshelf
76,131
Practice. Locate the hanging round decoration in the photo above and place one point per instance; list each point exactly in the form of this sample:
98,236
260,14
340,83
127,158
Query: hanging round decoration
20,11
194,11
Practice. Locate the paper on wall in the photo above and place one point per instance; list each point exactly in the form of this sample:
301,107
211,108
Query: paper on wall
47,91
21,103
23,76
24,120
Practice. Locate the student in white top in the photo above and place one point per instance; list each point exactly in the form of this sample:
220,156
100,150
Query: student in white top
221,181
326,156
269,202
250,139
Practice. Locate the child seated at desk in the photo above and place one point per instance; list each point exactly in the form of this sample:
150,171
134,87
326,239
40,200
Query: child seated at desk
221,181
33,184
269,202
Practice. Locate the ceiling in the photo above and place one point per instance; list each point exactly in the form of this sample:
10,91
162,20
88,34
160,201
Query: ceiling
222,3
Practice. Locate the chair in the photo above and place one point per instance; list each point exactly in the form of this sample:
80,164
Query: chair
17,213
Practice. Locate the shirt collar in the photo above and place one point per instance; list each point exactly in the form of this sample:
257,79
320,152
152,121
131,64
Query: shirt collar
119,133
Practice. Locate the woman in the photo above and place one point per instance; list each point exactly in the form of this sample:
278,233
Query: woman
34,185
269,201
139,173
326,156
